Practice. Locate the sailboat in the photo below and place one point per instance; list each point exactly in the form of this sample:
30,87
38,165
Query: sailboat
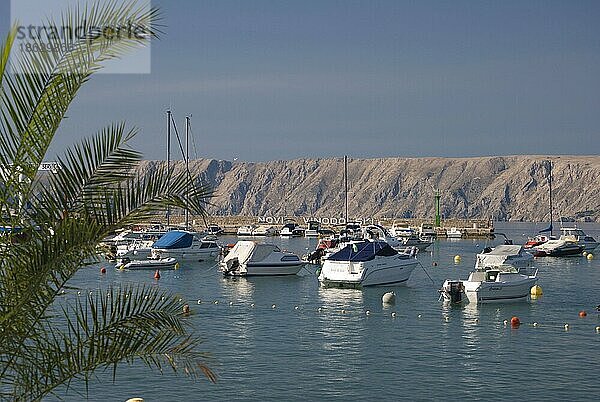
549,246
541,238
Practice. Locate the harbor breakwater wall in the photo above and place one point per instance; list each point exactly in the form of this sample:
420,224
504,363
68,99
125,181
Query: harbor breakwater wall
507,188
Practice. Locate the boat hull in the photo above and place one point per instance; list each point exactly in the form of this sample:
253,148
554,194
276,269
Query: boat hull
189,255
273,269
494,292
344,274
165,263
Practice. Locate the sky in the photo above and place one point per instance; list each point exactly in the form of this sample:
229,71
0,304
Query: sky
271,80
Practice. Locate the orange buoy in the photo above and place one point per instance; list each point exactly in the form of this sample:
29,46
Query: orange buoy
157,274
582,313
515,322
102,270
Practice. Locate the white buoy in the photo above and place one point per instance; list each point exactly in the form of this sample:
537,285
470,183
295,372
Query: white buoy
447,319
367,312
231,303
319,309
216,301
566,327
273,306
535,324
296,307
343,311
419,316
505,322
389,298
393,314
199,301
252,305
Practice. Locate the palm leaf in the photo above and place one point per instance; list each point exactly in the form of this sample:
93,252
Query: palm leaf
104,329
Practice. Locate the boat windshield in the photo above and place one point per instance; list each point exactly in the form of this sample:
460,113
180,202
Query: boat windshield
363,251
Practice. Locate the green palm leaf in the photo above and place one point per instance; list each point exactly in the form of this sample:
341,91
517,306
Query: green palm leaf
96,190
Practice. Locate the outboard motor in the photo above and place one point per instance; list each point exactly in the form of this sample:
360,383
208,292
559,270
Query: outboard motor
413,251
452,291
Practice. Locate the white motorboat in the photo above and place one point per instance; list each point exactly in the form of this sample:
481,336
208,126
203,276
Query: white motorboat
378,232
416,241
499,284
367,263
264,230
503,255
578,236
313,229
185,246
161,263
245,230
453,233
558,248
214,230
401,231
138,250
427,231
291,229
249,258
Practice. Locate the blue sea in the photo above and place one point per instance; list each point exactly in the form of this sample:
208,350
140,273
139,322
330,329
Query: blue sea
319,344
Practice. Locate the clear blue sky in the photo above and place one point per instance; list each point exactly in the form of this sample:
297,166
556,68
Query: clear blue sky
286,79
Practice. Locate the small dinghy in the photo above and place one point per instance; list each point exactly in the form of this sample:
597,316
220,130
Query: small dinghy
162,263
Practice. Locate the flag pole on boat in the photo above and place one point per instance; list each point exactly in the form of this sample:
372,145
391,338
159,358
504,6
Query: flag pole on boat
187,171
168,160
346,187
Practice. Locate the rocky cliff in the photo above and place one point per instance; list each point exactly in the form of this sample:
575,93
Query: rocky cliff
504,188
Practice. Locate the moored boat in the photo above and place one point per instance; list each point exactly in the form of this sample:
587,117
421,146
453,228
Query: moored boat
161,263
558,248
453,233
250,258
503,255
503,283
185,246
367,263
578,236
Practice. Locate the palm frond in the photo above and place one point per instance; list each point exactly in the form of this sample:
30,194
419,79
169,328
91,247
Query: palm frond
121,325
35,101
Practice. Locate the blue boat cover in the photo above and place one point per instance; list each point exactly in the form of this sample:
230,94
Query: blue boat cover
363,251
174,239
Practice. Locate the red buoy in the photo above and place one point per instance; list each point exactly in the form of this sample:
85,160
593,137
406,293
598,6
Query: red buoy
515,322
582,313
102,270
157,274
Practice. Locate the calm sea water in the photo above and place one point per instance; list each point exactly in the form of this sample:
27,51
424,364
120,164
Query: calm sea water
428,352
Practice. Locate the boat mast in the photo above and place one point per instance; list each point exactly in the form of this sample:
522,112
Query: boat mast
168,160
187,171
550,184
346,187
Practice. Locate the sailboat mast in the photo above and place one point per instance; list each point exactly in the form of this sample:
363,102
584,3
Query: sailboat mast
550,184
187,170
168,159
346,187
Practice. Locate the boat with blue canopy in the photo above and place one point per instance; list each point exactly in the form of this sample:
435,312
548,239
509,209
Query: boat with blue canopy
185,246
367,263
